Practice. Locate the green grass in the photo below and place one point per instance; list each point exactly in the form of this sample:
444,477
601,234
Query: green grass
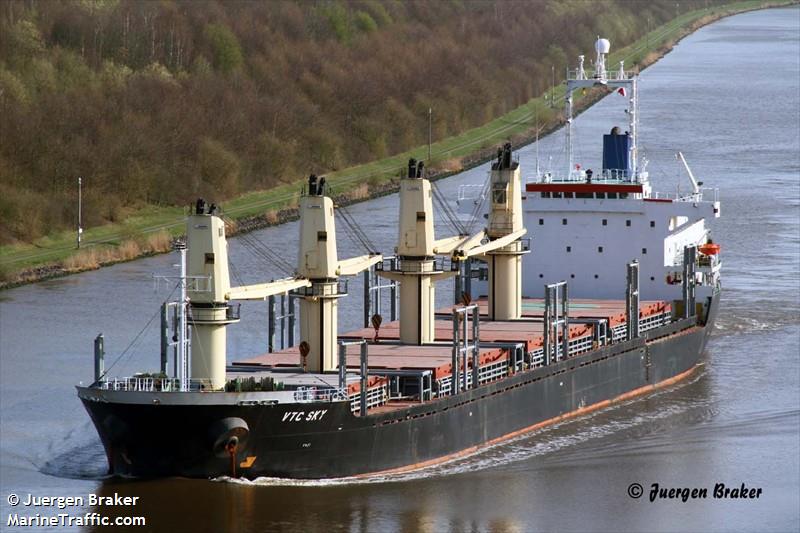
520,121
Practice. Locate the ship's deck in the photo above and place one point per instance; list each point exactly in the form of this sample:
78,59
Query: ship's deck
388,355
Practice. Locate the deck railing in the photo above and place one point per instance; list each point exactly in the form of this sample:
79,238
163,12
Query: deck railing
320,394
376,396
151,384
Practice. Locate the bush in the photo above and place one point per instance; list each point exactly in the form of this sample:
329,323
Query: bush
365,23
225,47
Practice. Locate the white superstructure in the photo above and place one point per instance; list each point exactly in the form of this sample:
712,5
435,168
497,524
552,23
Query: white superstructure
586,226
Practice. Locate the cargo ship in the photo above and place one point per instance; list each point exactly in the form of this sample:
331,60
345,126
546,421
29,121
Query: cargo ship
615,297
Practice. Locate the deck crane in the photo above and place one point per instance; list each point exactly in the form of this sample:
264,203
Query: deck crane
504,248
316,283
417,269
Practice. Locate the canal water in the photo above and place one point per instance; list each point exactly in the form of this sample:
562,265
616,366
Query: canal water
729,97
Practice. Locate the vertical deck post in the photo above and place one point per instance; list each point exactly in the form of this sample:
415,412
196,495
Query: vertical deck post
364,379
468,276
628,297
689,258
547,326
184,337
164,336
175,338
342,366
271,324
475,346
292,310
393,292
99,355
367,296
454,374
564,321
457,282
283,321
465,336
632,301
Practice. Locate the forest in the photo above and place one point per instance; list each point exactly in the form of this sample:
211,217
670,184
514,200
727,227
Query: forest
156,102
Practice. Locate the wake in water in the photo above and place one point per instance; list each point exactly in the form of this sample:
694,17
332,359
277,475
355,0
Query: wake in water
79,455
553,441
740,320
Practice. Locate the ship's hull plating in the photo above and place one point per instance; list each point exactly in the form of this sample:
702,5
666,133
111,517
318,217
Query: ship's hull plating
323,440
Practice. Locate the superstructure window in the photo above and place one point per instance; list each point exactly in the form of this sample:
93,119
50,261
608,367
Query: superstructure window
623,195
572,276
567,195
612,196
541,275
563,221
569,249
652,223
600,195
628,223
541,222
584,195
556,195
605,222
644,250
545,195
600,249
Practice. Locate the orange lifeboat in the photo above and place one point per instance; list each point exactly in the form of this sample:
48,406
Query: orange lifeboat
709,249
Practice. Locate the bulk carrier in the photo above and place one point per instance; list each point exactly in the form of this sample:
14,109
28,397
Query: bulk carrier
616,296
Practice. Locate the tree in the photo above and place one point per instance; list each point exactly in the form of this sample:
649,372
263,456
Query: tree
219,168
225,48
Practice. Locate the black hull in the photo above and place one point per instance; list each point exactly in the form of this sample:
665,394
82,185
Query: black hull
144,440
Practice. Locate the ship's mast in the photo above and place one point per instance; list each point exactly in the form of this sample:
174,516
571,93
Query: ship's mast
622,81
184,353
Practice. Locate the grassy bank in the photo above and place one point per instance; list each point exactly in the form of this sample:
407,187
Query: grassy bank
150,230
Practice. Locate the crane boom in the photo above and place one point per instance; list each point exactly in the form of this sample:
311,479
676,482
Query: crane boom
354,265
695,185
260,291
448,244
495,244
